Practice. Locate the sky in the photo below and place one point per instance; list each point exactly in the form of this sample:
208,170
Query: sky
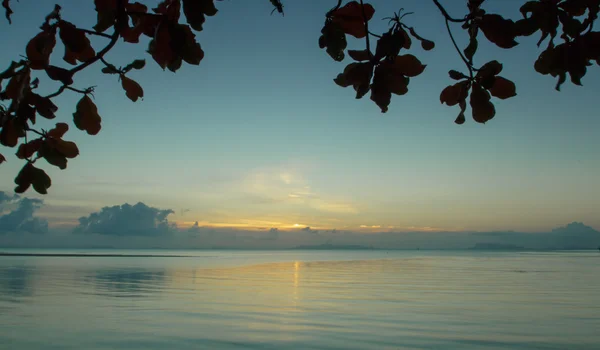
258,136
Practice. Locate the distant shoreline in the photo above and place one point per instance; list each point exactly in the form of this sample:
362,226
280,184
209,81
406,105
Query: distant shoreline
86,255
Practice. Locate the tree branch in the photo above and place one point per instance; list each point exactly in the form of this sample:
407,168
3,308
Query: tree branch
95,33
469,66
445,13
339,4
113,40
366,22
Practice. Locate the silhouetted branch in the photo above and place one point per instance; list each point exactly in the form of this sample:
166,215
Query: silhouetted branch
469,66
339,4
446,15
366,22
95,33
113,40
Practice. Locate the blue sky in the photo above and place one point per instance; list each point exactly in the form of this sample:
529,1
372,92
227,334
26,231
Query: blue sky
259,135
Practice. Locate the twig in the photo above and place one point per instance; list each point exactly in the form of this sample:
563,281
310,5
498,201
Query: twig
469,66
96,33
445,13
113,40
339,4
366,22
375,35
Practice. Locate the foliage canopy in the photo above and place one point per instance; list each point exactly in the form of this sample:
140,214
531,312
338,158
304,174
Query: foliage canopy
382,68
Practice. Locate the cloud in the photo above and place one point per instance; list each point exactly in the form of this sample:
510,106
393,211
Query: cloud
19,217
127,220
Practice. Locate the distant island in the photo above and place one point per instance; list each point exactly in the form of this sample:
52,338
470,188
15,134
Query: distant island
496,246
329,246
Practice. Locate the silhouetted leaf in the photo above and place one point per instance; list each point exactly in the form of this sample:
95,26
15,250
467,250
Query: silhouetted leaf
86,116
60,74
357,75
110,69
390,44
52,156
359,55
14,89
77,44
66,148
40,48
334,40
133,90
44,106
408,65
160,47
427,45
26,150
460,119
196,10
503,88
58,131
2,159
184,44
453,94
490,69
137,64
498,30
30,175
7,12
483,110
457,75
9,135
107,14
471,49
387,81
350,18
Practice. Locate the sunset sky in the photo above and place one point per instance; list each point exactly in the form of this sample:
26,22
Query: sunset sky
258,135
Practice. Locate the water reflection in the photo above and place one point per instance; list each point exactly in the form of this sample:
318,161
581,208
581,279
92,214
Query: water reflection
16,282
126,282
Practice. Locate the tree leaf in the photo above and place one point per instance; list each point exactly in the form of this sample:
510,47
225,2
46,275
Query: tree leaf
460,119
498,30
9,135
133,90
2,159
86,116
77,44
350,18
51,155
196,10
137,64
7,12
357,75
66,148
30,175
59,130
503,88
44,106
453,94
490,69
456,75
471,49
107,14
408,65
333,40
40,48
27,150
184,44
483,110
60,74
359,55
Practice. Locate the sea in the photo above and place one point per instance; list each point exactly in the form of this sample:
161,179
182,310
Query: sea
299,299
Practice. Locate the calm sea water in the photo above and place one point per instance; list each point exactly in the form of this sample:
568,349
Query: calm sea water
302,300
